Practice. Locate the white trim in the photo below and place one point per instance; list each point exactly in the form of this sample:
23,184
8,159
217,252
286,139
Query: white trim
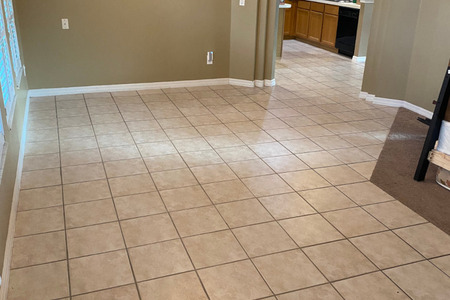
360,59
269,82
241,82
259,83
398,103
14,204
143,86
363,95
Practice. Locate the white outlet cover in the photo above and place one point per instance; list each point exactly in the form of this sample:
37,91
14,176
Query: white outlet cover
65,23
241,2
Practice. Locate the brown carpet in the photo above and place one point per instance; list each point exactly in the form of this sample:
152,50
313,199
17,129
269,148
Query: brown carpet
396,167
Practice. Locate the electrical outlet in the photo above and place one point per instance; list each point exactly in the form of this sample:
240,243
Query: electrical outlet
241,2
65,23
209,58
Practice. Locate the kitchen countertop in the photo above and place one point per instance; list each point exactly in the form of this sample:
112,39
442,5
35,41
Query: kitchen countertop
343,4
285,5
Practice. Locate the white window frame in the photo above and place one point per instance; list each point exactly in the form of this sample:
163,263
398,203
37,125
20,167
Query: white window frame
8,9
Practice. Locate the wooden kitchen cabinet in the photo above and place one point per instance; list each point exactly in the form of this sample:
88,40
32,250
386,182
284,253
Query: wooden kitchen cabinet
302,23
329,29
315,26
289,19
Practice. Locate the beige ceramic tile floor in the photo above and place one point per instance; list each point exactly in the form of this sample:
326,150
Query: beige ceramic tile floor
220,192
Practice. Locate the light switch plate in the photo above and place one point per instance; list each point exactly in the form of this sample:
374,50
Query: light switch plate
241,2
65,23
209,58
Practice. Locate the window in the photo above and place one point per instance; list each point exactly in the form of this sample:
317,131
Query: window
13,42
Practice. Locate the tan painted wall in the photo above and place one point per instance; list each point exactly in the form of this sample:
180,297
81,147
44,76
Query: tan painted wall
430,54
408,50
362,37
389,51
117,42
243,39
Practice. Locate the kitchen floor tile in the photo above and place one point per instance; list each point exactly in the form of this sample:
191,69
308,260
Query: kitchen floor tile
304,180
174,179
429,240
86,191
394,214
101,271
288,271
371,286
127,167
40,198
183,286
146,230
213,249
39,221
127,292
158,260
339,260
89,213
326,199
340,175
239,280
226,191
365,193
198,220
83,173
244,212
129,185
286,206
263,239
139,205
310,230
321,292
266,185
40,178
184,198
250,168
353,222
213,173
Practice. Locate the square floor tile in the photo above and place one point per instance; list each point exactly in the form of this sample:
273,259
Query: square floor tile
86,191
48,281
371,286
149,136
146,230
174,179
310,230
266,185
89,213
227,140
157,148
443,263
351,155
340,175
198,220
127,292
264,239
40,178
394,214
38,249
326,199
339,260
354,221
239,280
99,271
319,159
182,286
160,259
82,157
83,173
286,206
288,271
213,249
236,154
386,250
129,185
269,149
40,162
288,163
421,281
164,163
213,173
321,292
226,191
125,167
94,239
365,193
245,212
250,168
201,158
184,198
255,137
40,198
139,205
301,146
189,145
39,221
304,180
429,240
364,168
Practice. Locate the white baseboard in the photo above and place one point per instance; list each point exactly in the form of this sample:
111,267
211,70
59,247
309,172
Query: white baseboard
259,83
359,58
14,205
396,103
270,82
145,86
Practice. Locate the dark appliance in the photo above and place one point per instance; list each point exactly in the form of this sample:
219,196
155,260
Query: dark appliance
346,31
